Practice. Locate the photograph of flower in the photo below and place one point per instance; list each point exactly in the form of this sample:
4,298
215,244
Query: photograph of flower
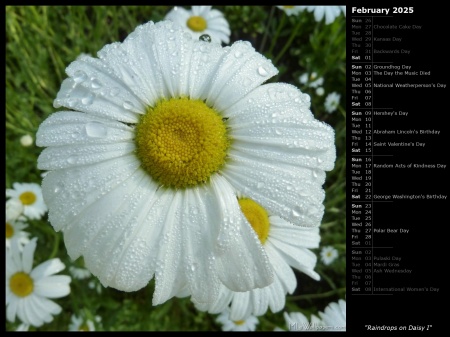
179,168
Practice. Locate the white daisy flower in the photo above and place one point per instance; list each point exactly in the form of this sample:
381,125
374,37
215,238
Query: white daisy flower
14,209
328,254
296,321
287,246
14,232
142,176
332,102
320,91
30,195
28,290
247,324
202,20
26,140
334,316
291,10
329,12
80,323
95,285
79,273
311,80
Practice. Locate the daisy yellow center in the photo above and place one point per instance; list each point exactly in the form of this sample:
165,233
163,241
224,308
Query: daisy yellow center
83,327
239,322
181,142
9,231
21,284
257,217
288,7
196,23
27,198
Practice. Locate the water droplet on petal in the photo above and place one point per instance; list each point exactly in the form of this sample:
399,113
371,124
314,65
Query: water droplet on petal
260,185
296,212
262,71
71,160
237,54
114,91
71,102
95,84
205,37
128,105
88,100
247,81
278,131
96,130
79,76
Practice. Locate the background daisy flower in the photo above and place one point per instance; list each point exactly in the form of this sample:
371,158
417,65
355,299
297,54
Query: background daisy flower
26,140
80,323
14,232
296,321
287,246
291,10
329,12
328,254
202,20
79,273
28,289
247,324
121,184
30,196
311,80
335,316
332,102
14,209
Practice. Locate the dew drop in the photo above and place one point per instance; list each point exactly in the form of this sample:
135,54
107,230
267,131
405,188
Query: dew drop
95,84
205,38
247,81
96,130
237,54
88,100
71,160
278,131
260,185
296,211
114,91
71,102
186,35
79,76
262,71
128,105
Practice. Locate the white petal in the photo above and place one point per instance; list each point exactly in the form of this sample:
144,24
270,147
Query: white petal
60,157
118,234
240,71
44,308
283,271
286,232
76,128
299,258
241,306
47,268
173,56
277,116
11,309
53,286
68,192
170,255
27,256
260,300
31,314
93,88
288,192
277,297
241,260
198,238
203,66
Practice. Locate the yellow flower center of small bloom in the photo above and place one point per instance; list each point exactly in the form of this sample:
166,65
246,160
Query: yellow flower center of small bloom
288,7
239,322
9,231
257,217
27,198
196,23
21,284
181,142
83,327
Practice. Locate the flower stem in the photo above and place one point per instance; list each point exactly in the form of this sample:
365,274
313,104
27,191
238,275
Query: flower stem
288,43
263,43
277,34
322,295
